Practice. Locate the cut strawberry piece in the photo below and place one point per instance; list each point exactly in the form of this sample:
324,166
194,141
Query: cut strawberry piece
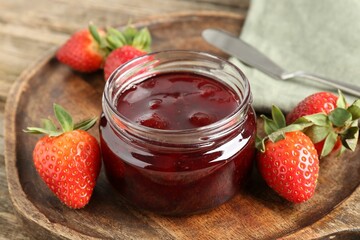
208,90
155,104
200,119
154,121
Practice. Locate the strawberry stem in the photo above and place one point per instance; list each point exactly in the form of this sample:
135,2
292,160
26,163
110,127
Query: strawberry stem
276,128
95,34
64,118
66,122
341,102
354,109
86,124
342,122
49,124
113,39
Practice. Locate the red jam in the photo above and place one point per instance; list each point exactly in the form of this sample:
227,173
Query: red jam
177,101
174,176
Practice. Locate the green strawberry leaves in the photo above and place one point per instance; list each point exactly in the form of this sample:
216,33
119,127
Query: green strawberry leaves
340,117
341,102
317,133
142,40
269,125
95,34
319,119
341,123
329,144
49,124
85,124
350,138
66,122
260,144
354,109
64,118
113,39
278,117
276,128
278,120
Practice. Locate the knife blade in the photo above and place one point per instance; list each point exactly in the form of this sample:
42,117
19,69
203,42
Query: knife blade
246,53
254,58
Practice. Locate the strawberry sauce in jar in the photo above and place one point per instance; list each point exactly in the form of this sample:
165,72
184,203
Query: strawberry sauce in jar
177,131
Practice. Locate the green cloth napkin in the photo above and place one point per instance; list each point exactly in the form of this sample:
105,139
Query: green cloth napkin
321,37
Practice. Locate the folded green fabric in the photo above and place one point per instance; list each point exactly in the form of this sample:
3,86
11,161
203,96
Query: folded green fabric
321,37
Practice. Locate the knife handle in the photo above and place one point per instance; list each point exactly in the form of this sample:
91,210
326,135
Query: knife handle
345,87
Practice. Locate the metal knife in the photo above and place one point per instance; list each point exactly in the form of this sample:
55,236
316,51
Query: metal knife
249,55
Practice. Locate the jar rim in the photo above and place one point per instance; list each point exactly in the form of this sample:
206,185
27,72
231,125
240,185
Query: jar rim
242,106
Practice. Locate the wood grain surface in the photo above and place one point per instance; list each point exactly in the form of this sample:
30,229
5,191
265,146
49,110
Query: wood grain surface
255,213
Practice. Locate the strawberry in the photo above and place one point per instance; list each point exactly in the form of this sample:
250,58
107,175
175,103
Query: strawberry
334,121
321,102
68,161
154,121
287,159
125,45
87,50
83,51
290,166
120,56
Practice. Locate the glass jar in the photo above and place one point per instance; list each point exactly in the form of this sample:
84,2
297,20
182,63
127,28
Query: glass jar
182,171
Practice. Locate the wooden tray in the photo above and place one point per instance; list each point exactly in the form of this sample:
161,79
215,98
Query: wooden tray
255,213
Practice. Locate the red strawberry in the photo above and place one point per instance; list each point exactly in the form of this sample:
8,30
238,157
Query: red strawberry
316,103
82,52
69,160
125,46
321,102
335,123
319,146
87,50
287,160
120,56
290,166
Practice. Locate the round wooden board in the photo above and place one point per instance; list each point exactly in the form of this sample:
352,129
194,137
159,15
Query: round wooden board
255,213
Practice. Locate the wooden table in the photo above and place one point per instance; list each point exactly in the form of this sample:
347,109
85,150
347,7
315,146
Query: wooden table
28,29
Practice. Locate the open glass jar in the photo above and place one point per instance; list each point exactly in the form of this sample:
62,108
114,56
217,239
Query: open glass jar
177,171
